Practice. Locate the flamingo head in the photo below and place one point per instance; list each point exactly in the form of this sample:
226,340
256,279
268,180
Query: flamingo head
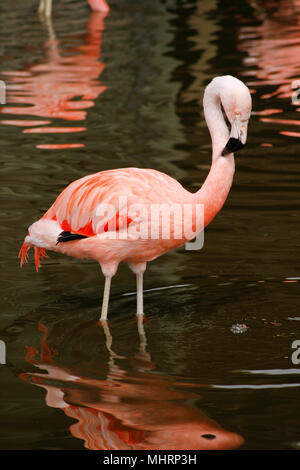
236,101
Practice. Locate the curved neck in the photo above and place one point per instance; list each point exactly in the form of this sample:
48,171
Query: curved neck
214,119
216,187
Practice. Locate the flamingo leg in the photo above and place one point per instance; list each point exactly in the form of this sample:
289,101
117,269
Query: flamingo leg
41,6
139,294
48,9
105,300
139,269
45,7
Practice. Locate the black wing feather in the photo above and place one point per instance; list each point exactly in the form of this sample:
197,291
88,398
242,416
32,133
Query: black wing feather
66,236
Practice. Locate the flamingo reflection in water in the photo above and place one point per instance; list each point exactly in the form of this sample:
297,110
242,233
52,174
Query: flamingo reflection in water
52,87
272,49
45,6
130,409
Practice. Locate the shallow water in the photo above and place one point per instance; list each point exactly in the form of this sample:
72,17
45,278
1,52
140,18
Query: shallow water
211,365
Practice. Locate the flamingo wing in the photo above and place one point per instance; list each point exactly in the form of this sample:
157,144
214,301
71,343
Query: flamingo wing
97,203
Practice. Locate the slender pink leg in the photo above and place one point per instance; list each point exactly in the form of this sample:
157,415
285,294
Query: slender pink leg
105,300
139,269
108,270
45,7
139,294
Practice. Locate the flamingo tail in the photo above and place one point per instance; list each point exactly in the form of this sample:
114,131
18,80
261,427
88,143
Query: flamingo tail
23,254
39,253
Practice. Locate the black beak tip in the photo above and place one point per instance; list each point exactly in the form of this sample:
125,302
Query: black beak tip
233,145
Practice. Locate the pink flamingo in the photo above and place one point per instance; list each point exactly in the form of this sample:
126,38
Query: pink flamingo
45,6
90,218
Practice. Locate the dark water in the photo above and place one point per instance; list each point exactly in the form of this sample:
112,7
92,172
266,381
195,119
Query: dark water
211,366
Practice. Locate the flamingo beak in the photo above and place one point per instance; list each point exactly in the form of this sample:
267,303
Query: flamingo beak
237,138
232,146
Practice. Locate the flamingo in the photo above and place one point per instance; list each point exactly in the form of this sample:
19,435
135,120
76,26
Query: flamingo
45,6
90,219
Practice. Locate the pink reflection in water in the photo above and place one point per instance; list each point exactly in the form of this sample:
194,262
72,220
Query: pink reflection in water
48,89
133,409
21,123
290,134
53,130
59,146
273,50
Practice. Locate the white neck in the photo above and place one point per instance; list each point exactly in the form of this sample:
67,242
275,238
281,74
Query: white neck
216,187
214,119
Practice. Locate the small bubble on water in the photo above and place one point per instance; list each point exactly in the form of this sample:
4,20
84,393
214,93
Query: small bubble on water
14,329
239,328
